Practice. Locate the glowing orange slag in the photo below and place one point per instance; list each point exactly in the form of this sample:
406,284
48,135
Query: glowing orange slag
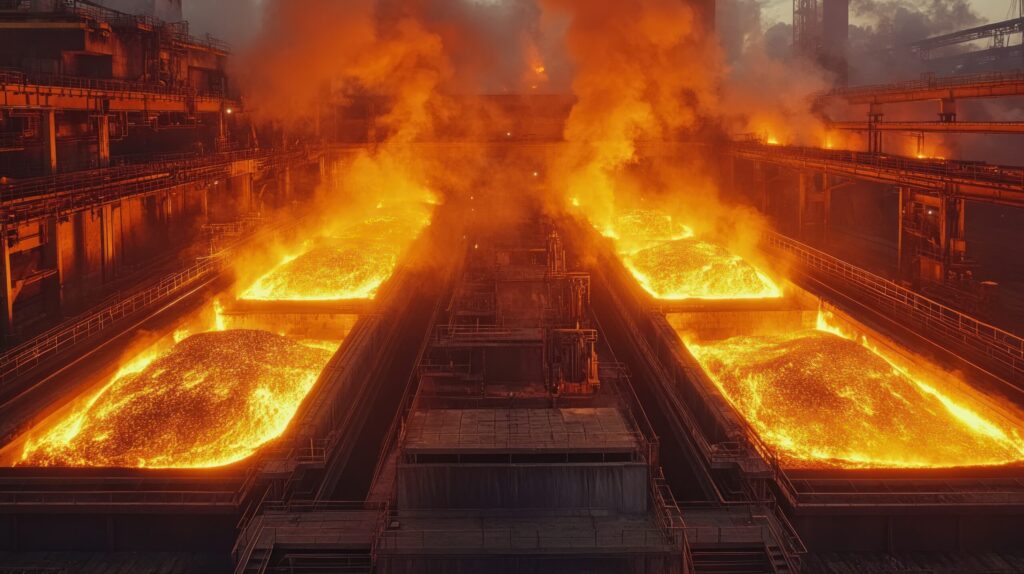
351,265
822,400
211,400
672,264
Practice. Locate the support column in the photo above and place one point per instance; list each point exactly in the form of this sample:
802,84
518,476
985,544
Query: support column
103,140
222,128
900,233
875,116
7,320
52,260
952,229
49,135
107,244
947,110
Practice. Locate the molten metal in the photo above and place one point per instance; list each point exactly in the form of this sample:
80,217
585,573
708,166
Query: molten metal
330,272
821,400
672,264
212,400
352,265
694,269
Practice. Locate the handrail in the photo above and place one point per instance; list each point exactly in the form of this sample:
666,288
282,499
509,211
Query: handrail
94,11
932,174
17,361
34,198
30,354
36,79
996,343
927,82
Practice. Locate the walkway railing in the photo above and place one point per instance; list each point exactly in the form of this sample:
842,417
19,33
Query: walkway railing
1003,347
27,356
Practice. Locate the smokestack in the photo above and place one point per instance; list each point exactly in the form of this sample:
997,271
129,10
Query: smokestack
835,23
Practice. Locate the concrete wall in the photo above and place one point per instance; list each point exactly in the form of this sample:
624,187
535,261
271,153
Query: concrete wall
112,532
615,486
944,531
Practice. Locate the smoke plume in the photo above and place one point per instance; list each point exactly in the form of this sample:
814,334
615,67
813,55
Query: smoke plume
644,71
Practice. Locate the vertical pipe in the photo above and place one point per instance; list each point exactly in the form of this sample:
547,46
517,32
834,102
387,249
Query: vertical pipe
53,260
49,126
103,140
7,321
899,237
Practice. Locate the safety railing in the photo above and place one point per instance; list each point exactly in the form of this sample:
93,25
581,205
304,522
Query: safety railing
927,173
23,358
305,506
73,183
928,82
448,334
1001,346
100,13
35,198
28,80
714,535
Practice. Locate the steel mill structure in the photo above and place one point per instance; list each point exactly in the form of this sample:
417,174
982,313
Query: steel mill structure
198,374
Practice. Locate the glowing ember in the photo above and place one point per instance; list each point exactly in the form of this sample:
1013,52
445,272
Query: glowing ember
328,273
672,264
351,265
213,399
825,401
691,268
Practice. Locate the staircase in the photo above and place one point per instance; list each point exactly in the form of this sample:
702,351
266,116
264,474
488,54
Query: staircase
322,563
733,560
258,561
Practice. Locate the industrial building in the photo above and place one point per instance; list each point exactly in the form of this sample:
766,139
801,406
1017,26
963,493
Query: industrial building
235,345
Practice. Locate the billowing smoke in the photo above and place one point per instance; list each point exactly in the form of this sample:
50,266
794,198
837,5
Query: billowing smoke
644,71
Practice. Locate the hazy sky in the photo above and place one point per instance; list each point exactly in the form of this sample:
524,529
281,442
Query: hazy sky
231,19
990,10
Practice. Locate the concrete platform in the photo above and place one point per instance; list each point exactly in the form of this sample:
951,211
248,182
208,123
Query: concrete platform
481,431
565,533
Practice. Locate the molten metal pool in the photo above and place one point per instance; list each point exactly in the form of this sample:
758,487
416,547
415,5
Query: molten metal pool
351,265
821,400
671,263
211,400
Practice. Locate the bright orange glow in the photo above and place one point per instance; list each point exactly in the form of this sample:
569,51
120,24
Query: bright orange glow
772,140
352,265
694,269
328,271
671,263
211,400
821,399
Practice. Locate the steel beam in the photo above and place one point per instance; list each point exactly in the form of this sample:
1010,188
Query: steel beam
937,127
952,87
975,181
